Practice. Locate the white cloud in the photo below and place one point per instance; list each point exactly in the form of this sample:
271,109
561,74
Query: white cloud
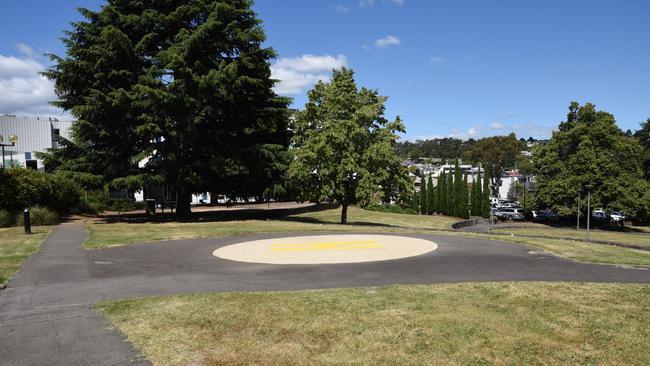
341,9
370,3
296,74
22,89
25,50
497,125
13,67
387,41
437,60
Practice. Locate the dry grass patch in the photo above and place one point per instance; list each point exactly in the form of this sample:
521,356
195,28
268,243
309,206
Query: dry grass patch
451,324
15,247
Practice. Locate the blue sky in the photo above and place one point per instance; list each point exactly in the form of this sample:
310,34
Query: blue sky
450,68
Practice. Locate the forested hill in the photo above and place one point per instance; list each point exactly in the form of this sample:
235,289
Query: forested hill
444,148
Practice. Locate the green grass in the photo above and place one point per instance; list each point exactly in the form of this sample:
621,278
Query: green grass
582,251
105,235
451,324
15,247
640,239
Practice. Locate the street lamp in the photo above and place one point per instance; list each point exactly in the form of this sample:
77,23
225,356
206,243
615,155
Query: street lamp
589,187
12,139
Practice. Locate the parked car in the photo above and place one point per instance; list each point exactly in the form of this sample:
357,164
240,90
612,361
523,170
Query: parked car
617,216
599,216
545,215
510,214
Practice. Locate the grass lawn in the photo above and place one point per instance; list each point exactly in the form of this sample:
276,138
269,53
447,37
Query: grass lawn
15,247
105,235
581,251
450,324
640,239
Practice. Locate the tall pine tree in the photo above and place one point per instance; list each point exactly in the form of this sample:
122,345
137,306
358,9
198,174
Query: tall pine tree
430,196
485,200
477,195
441,192
450,194
185,84
464,199
423,195
458,187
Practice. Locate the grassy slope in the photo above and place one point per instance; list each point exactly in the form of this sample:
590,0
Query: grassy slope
15,247
453,324
103,235
641,239
581,251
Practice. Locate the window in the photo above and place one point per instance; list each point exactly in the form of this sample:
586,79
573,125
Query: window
56,134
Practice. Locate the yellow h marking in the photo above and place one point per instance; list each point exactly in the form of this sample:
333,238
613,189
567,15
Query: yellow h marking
326,245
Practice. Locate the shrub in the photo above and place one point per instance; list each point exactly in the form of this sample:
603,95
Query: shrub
7,218
41,216
20,188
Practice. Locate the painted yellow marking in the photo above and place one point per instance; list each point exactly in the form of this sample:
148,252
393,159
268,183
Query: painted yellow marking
327,245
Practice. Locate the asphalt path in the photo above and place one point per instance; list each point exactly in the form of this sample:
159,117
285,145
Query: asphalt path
46,314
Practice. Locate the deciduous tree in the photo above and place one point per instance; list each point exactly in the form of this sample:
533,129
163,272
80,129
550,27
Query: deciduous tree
343,146
496,153
589,152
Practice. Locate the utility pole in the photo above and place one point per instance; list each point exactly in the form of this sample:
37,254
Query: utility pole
588,212
578,224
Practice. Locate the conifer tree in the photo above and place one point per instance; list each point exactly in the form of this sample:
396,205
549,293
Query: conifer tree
430,197
186,84
477,190
450,194
441,192
485,200
415,205
458,187
423,196
472,199
464,208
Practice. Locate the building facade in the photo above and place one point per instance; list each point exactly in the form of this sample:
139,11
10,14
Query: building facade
35,134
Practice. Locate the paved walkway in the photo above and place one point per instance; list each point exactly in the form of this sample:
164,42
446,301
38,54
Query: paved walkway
46,314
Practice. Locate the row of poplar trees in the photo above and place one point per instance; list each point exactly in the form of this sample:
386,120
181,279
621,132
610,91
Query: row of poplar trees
452,195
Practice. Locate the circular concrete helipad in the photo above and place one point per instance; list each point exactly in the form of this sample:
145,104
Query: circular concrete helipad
322,249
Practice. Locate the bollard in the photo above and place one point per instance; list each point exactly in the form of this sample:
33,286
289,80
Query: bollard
27,221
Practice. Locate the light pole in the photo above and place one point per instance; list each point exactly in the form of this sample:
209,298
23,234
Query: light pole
588,211
578,223
12,139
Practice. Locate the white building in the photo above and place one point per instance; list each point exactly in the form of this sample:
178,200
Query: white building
35,134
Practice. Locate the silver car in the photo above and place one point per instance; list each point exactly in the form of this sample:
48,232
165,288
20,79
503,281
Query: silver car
510,214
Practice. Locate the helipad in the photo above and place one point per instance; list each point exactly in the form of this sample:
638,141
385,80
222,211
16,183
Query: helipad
321,249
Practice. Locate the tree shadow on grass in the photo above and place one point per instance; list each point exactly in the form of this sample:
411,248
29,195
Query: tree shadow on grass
239,214
313,220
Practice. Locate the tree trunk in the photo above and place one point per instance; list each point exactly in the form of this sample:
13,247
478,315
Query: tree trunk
183,200
344,214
